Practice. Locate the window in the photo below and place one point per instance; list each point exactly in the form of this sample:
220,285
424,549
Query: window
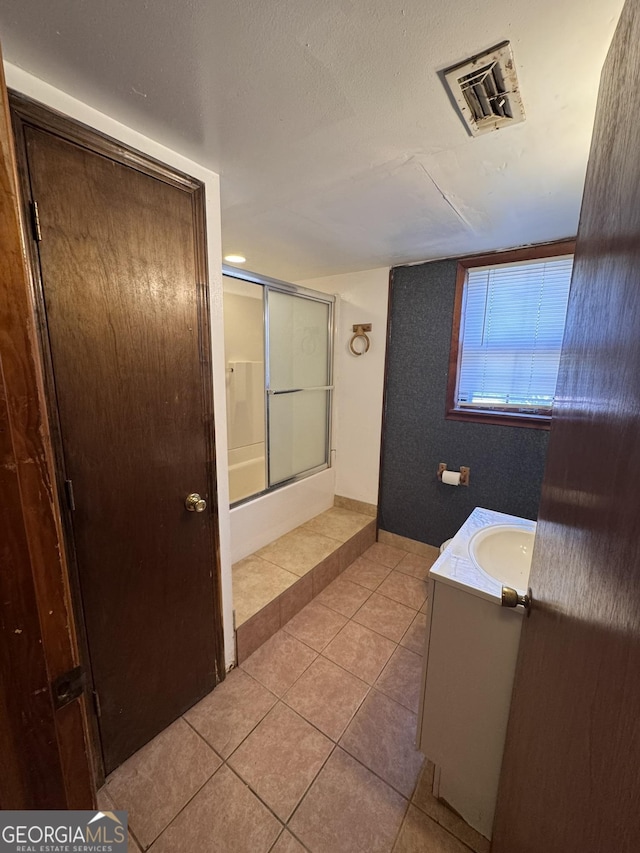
507,335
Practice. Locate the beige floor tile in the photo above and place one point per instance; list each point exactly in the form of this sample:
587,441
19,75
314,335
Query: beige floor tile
382,736
155,783
416,566
423,798
279,662
343,596
386,555
366,573
230,712
106,804
348,810
401,678
337,523
315,625
327,697
360,651
287,844
224,817
420,834
405,589
298,551
416,635
280,759
385,616
256,582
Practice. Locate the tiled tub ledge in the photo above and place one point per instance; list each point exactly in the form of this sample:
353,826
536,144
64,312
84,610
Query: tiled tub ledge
271,586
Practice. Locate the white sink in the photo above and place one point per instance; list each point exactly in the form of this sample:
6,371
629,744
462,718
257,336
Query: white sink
504,552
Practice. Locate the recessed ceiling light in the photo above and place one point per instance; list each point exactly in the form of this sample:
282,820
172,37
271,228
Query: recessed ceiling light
235,259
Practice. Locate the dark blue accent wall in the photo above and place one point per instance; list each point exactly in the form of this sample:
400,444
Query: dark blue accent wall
507,462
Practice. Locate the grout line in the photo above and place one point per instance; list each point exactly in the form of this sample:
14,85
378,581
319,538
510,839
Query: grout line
134,836
306,790
286,828
179,812
360,704
282,568
402,822
238,775
203,738
446,828
377,775
348,671
251,730
116,808
256,678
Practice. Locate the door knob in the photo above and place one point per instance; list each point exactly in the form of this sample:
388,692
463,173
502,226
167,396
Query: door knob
194,503
512,598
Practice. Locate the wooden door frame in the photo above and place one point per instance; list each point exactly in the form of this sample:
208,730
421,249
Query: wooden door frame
46,761
26,112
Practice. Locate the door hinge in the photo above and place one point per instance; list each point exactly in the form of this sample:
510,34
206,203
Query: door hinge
68,686
71,501
96,703
35,221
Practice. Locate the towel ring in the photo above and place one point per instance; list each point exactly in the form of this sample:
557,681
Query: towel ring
360,331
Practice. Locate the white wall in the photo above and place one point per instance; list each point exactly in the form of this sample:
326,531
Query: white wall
358,380
37,89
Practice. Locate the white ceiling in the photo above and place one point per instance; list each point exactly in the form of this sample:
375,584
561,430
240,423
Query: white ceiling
337,145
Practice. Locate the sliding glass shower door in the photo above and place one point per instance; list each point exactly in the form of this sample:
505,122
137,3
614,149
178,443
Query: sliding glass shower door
298,384
291,387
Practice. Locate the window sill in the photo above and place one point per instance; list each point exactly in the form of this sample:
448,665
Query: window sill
482,416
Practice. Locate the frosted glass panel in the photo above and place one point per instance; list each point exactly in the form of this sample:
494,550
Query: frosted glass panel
297,433
244,355
298,342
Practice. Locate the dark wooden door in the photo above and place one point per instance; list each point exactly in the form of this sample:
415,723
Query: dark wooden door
126,318
570,781
44,747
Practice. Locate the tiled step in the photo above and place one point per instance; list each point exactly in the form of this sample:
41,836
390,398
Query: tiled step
275,583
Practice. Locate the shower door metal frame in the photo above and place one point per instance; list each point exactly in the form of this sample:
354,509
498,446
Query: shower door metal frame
273,284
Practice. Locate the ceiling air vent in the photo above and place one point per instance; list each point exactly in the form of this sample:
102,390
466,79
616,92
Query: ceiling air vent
486,90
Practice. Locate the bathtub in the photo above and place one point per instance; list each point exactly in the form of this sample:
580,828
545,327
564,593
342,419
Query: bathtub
246,471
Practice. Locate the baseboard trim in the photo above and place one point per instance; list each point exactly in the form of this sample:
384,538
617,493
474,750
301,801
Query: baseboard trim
356,506
410,545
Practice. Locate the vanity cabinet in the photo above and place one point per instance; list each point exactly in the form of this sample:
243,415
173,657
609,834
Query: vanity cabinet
469,667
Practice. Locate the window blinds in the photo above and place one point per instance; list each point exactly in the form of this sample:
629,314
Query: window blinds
512,328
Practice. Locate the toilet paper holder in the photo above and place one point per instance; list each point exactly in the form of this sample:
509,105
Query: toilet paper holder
464,473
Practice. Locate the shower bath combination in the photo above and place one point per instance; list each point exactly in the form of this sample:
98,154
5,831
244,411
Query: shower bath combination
278,350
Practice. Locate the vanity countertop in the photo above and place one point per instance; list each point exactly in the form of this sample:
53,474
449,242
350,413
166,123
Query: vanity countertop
455,567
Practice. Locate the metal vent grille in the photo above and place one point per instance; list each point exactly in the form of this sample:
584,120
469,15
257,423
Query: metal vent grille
486,90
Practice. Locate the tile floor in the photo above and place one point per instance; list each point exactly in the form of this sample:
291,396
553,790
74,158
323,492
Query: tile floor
309,744
261,577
